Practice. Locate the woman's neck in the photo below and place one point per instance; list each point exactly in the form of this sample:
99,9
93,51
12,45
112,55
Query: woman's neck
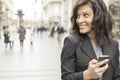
93,39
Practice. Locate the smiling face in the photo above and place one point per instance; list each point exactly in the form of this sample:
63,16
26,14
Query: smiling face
84,19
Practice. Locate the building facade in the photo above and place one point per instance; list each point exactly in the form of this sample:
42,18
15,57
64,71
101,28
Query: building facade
7,11
51,12
114,9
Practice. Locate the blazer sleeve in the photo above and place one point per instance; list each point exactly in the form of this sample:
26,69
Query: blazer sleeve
68,61
116,62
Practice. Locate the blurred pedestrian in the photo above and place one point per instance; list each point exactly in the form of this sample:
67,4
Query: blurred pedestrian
60,31
91,38
22,33
53,32
12,35
42,29
6,36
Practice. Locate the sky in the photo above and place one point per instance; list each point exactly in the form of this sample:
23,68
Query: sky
29,8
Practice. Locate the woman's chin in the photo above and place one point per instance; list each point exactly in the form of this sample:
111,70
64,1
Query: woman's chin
83,32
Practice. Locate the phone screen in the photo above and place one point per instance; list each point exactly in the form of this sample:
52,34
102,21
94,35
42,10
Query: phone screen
103,57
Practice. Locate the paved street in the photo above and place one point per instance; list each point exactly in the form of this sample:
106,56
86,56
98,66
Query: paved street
41,61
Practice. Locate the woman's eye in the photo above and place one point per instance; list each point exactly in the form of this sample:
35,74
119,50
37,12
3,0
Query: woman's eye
86,15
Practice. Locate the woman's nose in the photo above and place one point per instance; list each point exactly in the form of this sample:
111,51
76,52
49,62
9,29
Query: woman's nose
80,19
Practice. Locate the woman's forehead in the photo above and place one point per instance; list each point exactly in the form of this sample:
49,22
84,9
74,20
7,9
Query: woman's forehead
85,8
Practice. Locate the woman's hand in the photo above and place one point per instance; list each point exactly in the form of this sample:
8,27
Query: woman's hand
94,70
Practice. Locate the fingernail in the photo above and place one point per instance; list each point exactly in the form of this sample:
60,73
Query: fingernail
106,60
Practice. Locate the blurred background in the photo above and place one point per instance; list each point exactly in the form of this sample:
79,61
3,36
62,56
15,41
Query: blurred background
36,56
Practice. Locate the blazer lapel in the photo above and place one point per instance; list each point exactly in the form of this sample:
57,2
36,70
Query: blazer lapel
87,48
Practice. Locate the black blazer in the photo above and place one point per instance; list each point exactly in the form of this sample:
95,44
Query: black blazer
78,51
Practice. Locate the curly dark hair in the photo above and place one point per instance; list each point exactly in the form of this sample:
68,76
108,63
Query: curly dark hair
102,22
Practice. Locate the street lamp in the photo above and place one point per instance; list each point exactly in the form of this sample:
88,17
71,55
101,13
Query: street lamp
20,15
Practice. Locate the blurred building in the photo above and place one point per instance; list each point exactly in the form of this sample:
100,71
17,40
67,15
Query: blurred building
51,12
114,9
57,12
6,11
67,6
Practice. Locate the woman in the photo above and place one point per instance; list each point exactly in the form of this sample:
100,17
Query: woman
22,33
91,37
12,35
6,36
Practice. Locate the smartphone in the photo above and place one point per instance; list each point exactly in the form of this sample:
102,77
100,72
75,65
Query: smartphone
103,57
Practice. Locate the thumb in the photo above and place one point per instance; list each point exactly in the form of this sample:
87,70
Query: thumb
93,61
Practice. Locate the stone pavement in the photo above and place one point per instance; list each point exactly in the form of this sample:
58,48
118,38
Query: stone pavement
41,61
